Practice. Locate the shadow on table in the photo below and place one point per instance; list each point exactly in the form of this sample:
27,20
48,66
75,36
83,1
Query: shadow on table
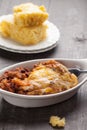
10,114
22,57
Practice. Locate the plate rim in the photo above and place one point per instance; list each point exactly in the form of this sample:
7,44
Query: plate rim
28,52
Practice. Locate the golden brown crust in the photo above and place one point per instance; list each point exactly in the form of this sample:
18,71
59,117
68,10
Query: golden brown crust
29,14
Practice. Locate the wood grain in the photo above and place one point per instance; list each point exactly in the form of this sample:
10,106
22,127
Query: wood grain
70,16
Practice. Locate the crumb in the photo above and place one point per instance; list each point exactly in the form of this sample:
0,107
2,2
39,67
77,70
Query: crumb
56,121
80,38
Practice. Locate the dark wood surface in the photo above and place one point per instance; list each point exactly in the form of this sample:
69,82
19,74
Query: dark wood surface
70,16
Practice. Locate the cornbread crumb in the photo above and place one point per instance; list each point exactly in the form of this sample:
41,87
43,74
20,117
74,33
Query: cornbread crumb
57,121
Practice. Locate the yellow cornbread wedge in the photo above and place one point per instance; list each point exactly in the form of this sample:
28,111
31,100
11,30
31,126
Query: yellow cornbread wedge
29,14
22,35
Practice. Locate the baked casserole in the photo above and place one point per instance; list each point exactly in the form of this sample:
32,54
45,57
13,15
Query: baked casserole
44,78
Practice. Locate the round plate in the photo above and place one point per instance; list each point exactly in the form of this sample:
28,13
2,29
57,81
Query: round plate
49,43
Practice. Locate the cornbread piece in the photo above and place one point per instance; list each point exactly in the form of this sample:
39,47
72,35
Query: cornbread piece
29,14
44,78
23,35
57,121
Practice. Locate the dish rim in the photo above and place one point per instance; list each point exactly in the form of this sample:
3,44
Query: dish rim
39,96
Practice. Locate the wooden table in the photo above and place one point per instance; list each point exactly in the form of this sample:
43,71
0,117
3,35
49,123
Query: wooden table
70,16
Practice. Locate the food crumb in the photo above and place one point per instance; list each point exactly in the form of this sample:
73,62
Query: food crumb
80,38
56,121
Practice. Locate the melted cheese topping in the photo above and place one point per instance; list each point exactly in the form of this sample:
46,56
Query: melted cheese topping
43,76
45,80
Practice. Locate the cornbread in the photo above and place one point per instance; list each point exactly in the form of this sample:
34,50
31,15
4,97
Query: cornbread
23,35
29,14
57,121
44,78
26,26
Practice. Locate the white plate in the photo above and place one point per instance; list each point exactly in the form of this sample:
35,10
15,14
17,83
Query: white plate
44,100
49,43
